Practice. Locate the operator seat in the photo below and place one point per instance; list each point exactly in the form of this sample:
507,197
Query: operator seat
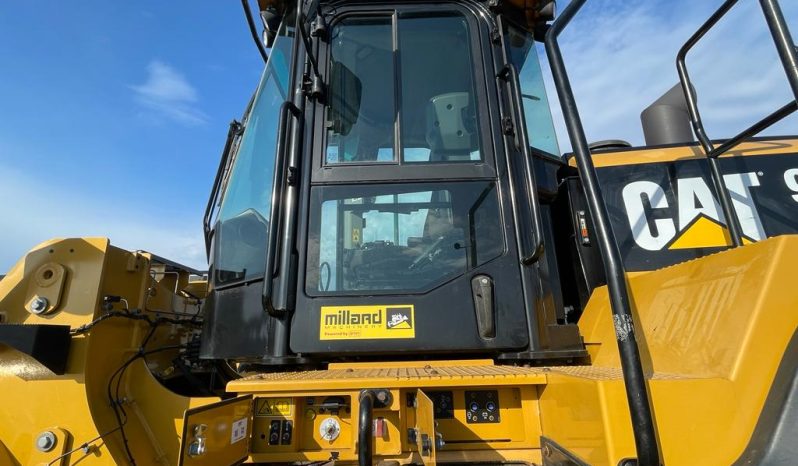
451,127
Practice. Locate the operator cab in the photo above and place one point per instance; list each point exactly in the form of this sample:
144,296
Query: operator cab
384,186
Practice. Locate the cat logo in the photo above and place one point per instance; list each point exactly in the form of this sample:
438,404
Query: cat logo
399,318
699,222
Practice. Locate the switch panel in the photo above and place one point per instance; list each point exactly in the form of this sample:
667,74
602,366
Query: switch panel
443,403
482,406
274,433
288,432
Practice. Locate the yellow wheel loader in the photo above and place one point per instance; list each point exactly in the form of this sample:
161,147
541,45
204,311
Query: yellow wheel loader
403,269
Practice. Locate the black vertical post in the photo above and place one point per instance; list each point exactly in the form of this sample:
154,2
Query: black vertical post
783,39
633,376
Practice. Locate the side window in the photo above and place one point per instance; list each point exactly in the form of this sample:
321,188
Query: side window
537,113
428,100
242,225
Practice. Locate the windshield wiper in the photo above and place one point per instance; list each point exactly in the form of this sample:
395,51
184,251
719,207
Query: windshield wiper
232,133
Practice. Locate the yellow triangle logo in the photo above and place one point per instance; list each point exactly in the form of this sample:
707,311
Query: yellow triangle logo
704,232
405,325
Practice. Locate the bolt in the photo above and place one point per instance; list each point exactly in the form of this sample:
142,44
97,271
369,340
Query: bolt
45,441
546,451
39,305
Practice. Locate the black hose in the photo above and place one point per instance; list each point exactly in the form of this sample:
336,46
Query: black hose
365,428
254,31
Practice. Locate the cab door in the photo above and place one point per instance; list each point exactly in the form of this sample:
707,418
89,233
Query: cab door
409,241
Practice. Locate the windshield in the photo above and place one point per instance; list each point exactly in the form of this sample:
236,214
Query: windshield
539,125
242,228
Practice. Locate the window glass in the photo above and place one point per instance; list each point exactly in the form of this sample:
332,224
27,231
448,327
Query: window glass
437,115
523,55
360,117
242,228
400,237
439,104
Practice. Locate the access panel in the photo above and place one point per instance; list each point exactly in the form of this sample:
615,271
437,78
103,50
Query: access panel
217,434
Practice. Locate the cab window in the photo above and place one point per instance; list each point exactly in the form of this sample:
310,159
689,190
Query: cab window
395,98
242,227
403,237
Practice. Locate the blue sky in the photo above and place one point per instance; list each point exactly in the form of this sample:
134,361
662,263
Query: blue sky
113,114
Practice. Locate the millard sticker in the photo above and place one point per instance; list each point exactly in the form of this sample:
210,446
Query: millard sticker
239,430
367,322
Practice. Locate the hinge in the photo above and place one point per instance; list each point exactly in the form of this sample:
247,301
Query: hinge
507,126
504,73
291,176
319,27
313,87
495,36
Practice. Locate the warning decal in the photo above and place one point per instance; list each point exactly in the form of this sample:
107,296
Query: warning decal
367,322
239,430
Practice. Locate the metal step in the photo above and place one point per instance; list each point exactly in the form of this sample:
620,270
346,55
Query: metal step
394,375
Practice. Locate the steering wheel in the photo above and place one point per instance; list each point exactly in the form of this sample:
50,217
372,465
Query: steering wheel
429,253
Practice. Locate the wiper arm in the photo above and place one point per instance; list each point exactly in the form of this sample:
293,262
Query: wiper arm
232,134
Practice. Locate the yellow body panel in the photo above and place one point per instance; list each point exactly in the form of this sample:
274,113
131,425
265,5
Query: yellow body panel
35,400
712,333
694,152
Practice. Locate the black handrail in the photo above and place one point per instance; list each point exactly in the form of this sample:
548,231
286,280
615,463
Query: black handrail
754,129
634,379
783,40
286,109
509,73
531,182
365,429
735,230
789,58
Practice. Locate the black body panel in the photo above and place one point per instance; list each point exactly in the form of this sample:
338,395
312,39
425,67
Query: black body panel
445,318
48,344
236,326
767,178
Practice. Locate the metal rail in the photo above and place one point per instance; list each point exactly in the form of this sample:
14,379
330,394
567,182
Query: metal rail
633,376
789,57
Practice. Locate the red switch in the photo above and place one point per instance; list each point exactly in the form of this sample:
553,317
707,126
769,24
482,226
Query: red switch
380,427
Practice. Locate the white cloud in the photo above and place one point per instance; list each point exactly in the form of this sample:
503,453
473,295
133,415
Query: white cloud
169,94
621,57
43,215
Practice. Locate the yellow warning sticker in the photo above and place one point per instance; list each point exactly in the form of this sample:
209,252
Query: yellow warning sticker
367,322
272,407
